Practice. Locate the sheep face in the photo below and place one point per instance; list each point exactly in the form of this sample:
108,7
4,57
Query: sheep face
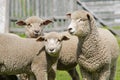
53,42
34,26
79,25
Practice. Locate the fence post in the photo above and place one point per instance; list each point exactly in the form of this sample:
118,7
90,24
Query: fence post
7,15
3,26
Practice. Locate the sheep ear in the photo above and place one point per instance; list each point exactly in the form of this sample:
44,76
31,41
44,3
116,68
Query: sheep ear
46,22
41,38
21,23
65,38
88,16
68,15
91,21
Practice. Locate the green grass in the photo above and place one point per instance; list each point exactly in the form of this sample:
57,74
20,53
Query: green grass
118,70
116,27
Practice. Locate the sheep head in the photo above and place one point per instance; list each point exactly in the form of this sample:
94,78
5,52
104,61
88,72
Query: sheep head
53,42
34,26
81,24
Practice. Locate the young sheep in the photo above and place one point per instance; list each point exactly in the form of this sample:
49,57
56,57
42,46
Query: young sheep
53,45
19,55
97,48
34,26
67,59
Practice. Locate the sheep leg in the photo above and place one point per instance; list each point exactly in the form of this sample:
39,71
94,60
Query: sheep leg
105,73
74,74
85,74
40,72
112,73
31,77
22,76
51,74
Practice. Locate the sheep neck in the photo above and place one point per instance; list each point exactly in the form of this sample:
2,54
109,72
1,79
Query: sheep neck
89,44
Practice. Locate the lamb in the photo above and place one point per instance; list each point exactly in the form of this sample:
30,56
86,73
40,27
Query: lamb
67,59
98,49
34,26
35,58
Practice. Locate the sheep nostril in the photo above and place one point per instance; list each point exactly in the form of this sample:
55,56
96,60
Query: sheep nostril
69,29
36,31
51,49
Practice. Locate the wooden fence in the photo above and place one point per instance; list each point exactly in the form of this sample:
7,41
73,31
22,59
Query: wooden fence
107,10
56,9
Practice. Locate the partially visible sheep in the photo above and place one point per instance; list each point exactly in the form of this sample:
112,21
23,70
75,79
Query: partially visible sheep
20,55
67,59
97,48
34,26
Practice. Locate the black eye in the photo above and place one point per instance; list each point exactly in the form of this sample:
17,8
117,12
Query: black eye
45,39
29,25
40,25
59,40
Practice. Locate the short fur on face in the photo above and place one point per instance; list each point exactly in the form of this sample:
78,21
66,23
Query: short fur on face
34,26
80,23
52,42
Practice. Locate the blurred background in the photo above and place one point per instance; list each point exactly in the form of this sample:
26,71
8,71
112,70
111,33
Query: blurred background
106,13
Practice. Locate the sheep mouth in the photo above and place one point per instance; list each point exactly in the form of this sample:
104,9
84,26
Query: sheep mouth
36,35
53,54
72,33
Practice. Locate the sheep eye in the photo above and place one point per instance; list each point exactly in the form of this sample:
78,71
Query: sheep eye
29,25
59,40
45,39
40,25
79,20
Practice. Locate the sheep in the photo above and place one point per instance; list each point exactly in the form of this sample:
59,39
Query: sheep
67,59
33,26
35,58
97,50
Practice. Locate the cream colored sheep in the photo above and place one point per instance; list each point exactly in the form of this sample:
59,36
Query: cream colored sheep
19,55
34,26
67,60
97,48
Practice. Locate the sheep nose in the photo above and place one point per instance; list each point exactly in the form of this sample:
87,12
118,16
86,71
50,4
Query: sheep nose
36,31
51,49
69,29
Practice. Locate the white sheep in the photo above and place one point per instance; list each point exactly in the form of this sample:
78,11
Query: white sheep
20,55
67,59
97,48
